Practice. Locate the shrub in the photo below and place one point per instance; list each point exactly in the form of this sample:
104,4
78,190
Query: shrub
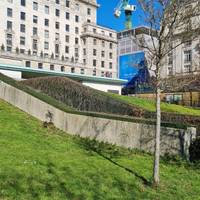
194,150
81,97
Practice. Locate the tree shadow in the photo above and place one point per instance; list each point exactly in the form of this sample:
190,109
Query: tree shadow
107,152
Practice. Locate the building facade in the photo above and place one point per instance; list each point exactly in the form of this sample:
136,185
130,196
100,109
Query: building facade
184,59
131,56
57,35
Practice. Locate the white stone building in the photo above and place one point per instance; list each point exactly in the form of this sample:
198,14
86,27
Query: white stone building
57,35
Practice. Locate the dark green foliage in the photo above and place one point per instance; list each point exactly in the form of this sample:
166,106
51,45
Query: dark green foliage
195,150
81,97
62,106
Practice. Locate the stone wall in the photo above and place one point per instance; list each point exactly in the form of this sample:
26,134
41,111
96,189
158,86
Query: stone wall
122,133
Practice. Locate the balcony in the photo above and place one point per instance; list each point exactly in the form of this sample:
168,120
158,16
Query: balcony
38,58
98,36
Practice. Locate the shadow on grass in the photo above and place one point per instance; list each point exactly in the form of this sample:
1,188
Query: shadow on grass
108,152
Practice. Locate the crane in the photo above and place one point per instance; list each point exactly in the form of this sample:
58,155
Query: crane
128,9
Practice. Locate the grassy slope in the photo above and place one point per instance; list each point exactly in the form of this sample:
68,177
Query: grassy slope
149,105
39,163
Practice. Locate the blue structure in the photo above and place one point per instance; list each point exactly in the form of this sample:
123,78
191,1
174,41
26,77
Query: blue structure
129,65
133,68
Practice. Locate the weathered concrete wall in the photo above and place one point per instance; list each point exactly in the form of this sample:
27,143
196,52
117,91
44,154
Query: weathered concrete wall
128,134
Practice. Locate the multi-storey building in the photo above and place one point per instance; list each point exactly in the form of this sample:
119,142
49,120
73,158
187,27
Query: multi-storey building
130,53
184,59
57,35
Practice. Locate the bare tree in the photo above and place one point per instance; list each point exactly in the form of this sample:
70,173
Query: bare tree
171,23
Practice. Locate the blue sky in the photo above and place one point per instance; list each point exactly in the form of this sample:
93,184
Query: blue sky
106,17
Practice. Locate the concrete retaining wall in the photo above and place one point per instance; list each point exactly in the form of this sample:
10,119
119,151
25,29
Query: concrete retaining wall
127,134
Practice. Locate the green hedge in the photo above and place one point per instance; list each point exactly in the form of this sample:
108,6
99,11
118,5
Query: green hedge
65,108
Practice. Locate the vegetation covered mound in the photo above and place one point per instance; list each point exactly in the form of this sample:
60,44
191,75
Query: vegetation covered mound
81,97
84,98
45,163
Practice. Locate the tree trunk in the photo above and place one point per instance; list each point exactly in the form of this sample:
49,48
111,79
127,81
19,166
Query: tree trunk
156,178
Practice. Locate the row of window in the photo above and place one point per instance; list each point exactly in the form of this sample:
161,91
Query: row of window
35,4
187,57
35,18
46,22
62,69
102,53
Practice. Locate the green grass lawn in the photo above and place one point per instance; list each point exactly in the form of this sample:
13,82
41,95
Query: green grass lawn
149,105
45,163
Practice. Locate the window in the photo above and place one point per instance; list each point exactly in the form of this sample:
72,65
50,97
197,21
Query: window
62,68
40,65
8,48
46,22
170,71
9,12
170,58
94,52
23,2
35,19
9,39
46,9
111,45
110,34
187,68
22,15
72,70
84,51
57,13
102,74
57,25
9,25
76,41
76,30
110,65
67,38
57,1
22,51
89,11
67,3
67,15
94,42
28,64
35,6
187,56
22,40
46,45
46,34
67,28
66,49
76,52
22,28
35,45
103,54
110,55
51,67
94,73
76,18
57,49
35,31
82,71
102,64
94,30
94,63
